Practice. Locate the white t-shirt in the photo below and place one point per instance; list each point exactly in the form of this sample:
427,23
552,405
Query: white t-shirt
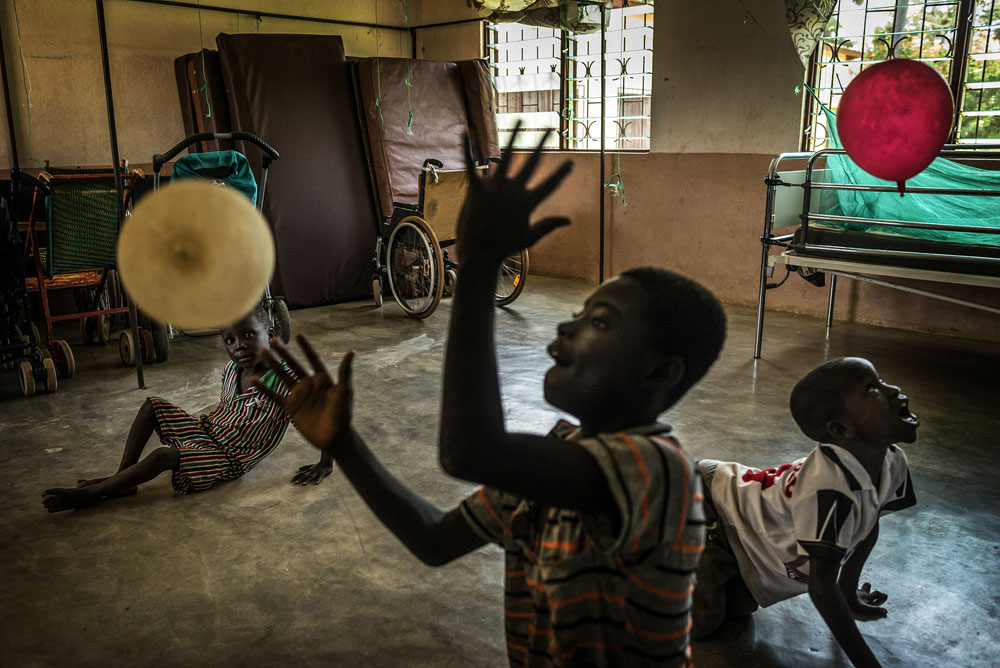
823,505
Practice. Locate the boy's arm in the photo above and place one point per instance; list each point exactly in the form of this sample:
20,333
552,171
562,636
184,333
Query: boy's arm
474,444
832,606
321,410
863,601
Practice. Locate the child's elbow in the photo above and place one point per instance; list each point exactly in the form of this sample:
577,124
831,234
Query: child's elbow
454,457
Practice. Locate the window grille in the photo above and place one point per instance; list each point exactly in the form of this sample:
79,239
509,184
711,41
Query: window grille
550,79
959,38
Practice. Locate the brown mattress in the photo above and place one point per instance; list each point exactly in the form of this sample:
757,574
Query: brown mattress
449,101
204,106
294,92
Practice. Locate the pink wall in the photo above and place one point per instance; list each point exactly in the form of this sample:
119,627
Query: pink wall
701,214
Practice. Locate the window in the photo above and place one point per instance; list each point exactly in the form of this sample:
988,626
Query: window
960,38
550,79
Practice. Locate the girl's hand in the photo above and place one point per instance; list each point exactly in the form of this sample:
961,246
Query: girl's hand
319,408
494,222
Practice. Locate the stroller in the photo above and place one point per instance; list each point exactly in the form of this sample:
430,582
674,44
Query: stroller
20,342
232,169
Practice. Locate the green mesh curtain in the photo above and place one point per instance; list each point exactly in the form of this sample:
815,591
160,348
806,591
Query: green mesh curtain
981,211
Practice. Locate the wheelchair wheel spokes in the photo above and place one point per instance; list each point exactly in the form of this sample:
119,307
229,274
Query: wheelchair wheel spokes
513,273
415,267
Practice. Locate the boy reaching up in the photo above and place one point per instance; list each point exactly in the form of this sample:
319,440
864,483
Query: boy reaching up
602,523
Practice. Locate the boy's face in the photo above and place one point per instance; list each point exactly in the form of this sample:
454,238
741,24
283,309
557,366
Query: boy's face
601,355
244,341
876,412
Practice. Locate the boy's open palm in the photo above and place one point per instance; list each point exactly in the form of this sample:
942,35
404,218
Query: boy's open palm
319,408
494,222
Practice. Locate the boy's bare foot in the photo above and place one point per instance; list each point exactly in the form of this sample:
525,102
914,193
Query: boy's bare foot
125,491
59,499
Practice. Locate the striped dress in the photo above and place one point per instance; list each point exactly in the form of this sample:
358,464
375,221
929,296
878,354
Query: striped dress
578,594
227,443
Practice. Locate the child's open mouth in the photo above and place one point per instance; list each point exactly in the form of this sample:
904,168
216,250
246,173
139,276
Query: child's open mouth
906,416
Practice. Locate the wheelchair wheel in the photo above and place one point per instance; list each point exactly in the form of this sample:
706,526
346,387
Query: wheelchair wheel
415,267
281,319
513,273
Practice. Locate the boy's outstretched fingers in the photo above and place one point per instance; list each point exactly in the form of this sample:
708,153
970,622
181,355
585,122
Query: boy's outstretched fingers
311,355
271,395
544,226
288,358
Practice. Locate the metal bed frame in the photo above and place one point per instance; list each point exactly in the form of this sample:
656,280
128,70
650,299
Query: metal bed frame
861,264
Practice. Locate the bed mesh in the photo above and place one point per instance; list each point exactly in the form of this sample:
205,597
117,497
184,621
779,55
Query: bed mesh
982,211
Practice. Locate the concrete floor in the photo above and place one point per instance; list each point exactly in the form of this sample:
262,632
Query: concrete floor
259,572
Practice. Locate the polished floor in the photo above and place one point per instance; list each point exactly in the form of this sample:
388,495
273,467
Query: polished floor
258,572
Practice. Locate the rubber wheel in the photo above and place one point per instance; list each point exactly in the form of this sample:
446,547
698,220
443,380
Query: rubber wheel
377,291
64,360
38,335
282,319
450,276
416,268
26,377
103,328
513,275
146,347
51,376
126,348
161,342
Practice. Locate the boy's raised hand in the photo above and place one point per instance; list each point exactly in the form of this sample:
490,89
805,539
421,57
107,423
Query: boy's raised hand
494,222
319,408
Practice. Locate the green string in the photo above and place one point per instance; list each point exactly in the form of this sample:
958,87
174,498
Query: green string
204,72
24,83
409,65
615,181
378,75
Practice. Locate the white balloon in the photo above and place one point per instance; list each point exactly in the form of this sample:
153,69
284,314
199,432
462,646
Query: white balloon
195,255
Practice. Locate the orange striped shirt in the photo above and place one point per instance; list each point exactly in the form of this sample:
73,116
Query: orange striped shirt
576,593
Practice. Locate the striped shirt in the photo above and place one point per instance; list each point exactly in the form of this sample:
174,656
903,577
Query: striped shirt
226,443
578,594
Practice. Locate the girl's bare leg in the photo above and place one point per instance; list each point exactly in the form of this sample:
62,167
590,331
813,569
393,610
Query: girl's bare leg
159,460
142,428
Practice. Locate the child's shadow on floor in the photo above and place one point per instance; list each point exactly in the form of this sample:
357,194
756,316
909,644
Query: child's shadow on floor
739,643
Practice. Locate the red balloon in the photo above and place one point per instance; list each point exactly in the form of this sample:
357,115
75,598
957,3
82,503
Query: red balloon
894,118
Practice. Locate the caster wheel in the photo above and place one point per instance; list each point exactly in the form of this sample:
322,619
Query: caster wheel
26,377
377,291
282,319
161,342
146,347
103,328
63,358
126,348
450,276
51,376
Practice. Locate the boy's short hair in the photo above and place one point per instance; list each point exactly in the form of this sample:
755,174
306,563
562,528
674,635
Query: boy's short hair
818,398
685,320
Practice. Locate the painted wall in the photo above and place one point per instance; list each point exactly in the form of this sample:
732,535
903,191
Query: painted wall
62,67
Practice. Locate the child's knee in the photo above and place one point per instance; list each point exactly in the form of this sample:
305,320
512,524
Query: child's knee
165,457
